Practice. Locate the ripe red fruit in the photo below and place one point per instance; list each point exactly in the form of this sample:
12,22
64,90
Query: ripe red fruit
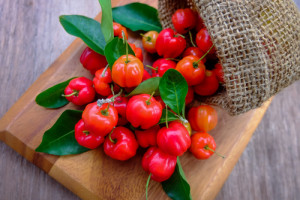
218,70
118,28
102,82
120,144
120,104
194,51
204,42
209,85
149,41
100,120
174,140
191,69
169,44
86,138
147,138
80,91
143,110
159,164
184,20
162,65
190,96
203,118
137,51
92,61
203,145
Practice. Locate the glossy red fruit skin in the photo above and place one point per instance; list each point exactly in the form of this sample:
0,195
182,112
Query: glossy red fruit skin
127,73
194,51
203,118
118,28
159,164
200,24
102,83
147,138
169,45
218,70
97,120
120,104
137,51
125,144
139,113
193,72
162,65
199,141
84,88
89,139
184,20
189,96
209,85
146,75
92,61
204,42
174,140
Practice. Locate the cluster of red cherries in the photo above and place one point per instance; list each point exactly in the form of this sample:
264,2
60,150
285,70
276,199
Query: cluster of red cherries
125,123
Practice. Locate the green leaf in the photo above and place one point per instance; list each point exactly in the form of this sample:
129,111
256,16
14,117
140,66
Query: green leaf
89,30
106,20
146,87
115,49
60,138
52,97
137,16
171,117
177,187
173,89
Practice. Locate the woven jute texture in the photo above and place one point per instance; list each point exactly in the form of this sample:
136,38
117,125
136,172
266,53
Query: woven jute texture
257,42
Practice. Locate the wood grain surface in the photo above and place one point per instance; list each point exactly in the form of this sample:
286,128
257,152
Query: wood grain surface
31,39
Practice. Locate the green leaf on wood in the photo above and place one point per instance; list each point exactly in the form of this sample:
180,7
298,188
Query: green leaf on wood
52,97
106,20
177,187
89,30
60,138
146,87
137,16
115,49
173,89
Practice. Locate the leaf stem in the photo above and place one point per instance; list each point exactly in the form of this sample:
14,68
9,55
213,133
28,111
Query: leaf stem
69,95
204,55
208,148
191,38
125,40
147,185
167,117
105,69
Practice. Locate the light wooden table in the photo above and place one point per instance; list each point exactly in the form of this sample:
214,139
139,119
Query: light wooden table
31,38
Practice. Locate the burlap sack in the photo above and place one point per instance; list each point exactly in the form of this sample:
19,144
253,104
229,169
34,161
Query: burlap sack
257,42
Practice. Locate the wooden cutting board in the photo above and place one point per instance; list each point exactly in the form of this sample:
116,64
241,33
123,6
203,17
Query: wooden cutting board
92,175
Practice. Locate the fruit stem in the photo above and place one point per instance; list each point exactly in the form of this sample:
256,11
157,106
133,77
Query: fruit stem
105,69
191,38
105,112
86,132
151,67
204,55
207,148
75,92
147,185
173,59
177,35
109,137
124,38
167,117
148,101
113,93
148,38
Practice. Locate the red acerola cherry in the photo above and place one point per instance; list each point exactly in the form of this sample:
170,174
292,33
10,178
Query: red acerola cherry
184,20
92,61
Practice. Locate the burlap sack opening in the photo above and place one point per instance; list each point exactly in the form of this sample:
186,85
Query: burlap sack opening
257,42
